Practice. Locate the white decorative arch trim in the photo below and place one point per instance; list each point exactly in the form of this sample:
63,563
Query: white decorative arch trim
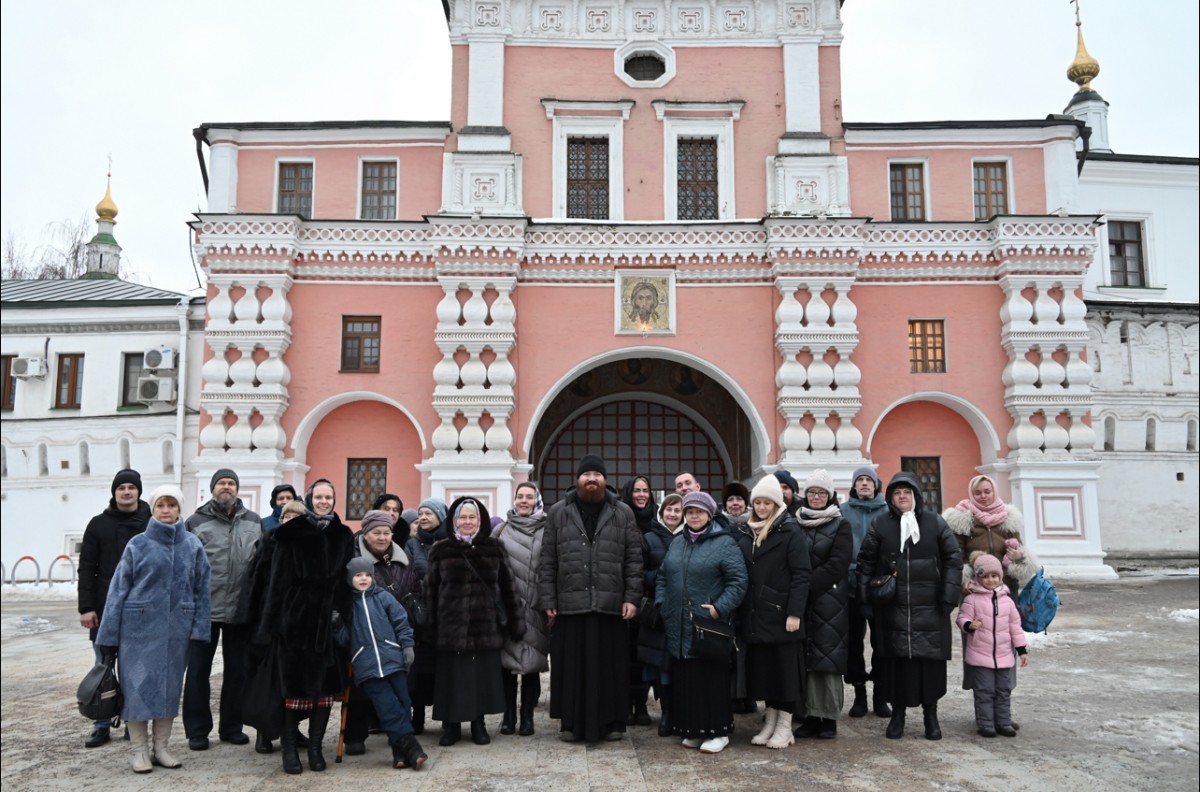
309,423
985,433
760,441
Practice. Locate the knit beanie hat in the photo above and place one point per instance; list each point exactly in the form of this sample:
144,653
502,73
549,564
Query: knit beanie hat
735,488
820,479
167,491
591,463
283,488
870,473
436,506
700,500
127,476
767,487
223,473
375,518
785,477
360,564
409,516
986,564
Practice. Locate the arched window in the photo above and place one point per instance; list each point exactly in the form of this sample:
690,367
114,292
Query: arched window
85,462
123,450
43,462
1151,434
1110,433
1191,435
168,456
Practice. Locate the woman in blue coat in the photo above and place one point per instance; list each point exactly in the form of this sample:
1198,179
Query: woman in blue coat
702,575
157,603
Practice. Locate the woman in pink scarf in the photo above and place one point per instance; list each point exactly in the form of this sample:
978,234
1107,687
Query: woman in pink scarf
984,522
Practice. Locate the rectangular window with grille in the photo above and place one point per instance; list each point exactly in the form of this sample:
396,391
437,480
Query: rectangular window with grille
69,392
927,346
132,368
360,343
991,189
587,178
10,384
379,191
1125,254
908,191
928,471
696,179
366,480
296,188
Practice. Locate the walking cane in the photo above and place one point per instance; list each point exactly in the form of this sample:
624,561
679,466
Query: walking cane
342,732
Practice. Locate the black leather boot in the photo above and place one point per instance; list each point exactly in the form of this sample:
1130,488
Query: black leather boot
639,716
451,733
508,723
530,693
479,733
895,727
262,745
287,744
859,707
932,730
318,720
664,701
828,729
810,727
879,704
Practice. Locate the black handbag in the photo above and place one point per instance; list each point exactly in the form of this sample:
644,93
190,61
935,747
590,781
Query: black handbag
712,639
648,616
881,589
262,692
416,608
99,694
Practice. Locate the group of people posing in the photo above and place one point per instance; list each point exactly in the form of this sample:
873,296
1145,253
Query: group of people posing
765,597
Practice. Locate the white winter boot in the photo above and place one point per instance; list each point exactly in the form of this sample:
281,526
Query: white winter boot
139,740
162,733
772,717
783,736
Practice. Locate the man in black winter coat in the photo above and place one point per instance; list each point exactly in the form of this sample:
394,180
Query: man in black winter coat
104,541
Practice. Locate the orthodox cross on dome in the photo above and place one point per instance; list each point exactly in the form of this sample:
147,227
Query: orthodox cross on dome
1084,68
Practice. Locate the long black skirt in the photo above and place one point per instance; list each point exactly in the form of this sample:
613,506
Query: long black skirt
775,674
910,682
468,686
700,703
589,674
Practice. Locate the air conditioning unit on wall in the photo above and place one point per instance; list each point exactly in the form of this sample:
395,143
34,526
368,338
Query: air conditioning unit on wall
159,359
28,367
152,390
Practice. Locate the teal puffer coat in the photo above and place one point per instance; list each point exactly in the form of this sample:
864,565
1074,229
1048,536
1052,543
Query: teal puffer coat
711,570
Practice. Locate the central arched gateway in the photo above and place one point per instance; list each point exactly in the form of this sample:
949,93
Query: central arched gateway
644,415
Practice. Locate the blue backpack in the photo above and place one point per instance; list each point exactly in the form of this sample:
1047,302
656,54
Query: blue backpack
1038,603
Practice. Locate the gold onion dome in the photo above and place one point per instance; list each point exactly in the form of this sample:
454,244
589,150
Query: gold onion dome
107,208
1084,68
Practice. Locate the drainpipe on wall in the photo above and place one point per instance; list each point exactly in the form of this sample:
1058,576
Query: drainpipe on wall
181,402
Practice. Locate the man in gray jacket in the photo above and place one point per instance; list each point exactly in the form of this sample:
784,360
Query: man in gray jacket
590,582
230,533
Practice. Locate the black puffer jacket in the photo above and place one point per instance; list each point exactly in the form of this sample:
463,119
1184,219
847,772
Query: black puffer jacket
827,618
928,577
104,541
652,643
780,572
581,576
467,607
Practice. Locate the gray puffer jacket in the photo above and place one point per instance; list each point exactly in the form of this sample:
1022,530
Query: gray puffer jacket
229,541
522,540
580,576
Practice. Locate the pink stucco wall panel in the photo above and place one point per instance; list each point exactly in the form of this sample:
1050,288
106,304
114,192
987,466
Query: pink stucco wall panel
830,63
336,177
407,351
950,187
925,429
753,75
973,367
366,430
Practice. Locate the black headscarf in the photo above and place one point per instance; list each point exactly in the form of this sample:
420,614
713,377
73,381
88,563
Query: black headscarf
646,515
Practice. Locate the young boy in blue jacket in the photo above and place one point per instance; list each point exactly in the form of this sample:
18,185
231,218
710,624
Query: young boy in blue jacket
381,652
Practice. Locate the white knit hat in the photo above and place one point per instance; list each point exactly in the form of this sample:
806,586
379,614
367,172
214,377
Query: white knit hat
167,491
767,487
819,479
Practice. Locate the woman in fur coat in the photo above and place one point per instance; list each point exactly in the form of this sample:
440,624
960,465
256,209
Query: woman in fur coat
984,522
158,602
525,658
473,608
304,585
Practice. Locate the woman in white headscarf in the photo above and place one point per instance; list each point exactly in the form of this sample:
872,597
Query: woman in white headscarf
914,625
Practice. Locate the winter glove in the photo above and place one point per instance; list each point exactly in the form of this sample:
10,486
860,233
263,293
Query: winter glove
107,653
516,629
197,646
335,621
409,657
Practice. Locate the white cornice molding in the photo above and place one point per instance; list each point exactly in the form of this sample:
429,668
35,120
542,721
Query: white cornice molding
950,135
398,134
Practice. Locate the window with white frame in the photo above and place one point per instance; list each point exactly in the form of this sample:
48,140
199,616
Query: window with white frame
698,174
1126,254
906,185
294,188
588,159
989,181
377,195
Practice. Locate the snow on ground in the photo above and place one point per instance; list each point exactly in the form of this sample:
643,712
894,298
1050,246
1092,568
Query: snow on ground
1065,638
1185,614
33,592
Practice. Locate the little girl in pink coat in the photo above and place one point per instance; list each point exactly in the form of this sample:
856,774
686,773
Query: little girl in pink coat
992,625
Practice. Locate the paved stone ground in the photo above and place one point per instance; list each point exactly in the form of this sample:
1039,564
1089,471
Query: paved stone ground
1109,702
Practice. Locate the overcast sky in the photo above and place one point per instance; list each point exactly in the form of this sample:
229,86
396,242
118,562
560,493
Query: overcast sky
132,78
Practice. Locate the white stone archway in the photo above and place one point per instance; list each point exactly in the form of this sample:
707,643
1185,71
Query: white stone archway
985,433
309,423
